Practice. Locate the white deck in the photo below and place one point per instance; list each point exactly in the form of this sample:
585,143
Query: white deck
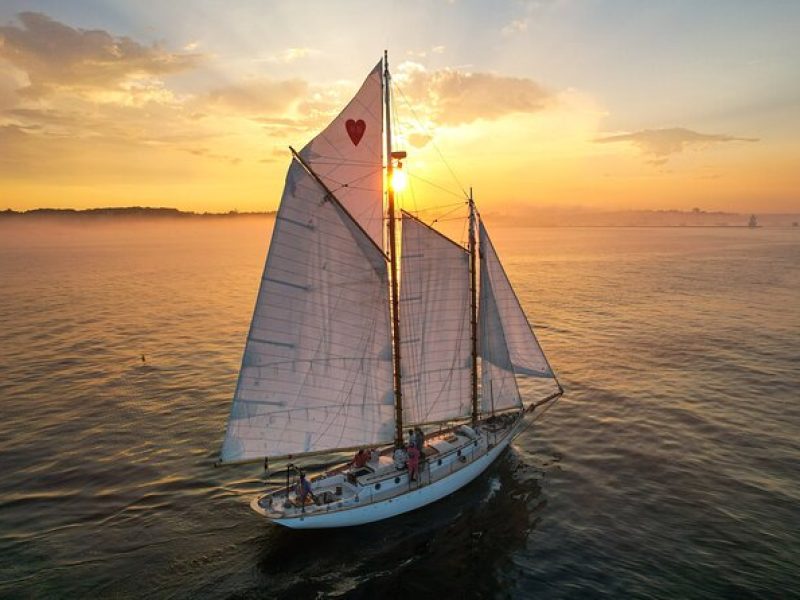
380,491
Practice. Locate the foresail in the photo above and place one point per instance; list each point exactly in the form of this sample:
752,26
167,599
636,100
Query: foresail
508,345
316,372
434,325
498,384
348,156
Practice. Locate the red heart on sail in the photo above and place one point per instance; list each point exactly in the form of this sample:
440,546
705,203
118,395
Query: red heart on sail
355,129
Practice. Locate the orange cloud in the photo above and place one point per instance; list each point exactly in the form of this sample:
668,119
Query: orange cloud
56,55
260,96
455,97
662,143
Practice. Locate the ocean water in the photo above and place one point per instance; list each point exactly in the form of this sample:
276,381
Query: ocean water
671,468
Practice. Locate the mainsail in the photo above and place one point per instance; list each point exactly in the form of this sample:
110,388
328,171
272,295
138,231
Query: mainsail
434,325
348,156
508,346
316,372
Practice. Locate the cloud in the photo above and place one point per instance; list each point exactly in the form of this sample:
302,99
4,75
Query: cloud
106,124
49,121
65,93
260,96
455,97
10,81
55,55
660,144
516,26
418,140
289,55
207,153
425,53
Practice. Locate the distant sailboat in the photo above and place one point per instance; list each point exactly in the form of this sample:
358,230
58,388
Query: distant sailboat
344,352
753,222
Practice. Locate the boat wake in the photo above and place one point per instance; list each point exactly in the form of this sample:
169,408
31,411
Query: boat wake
494,486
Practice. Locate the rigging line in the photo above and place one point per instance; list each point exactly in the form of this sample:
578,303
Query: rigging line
439,207
442,220
393,116
433,142
367,175
436,185
413,195
438,233
541,414
396,127
329,195
348,184
449,212
335,161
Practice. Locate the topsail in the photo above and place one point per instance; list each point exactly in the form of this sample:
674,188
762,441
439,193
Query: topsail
348,156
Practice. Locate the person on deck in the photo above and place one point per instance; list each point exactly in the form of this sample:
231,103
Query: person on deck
400,459
303,490
420,441
413,462
412,438
361,459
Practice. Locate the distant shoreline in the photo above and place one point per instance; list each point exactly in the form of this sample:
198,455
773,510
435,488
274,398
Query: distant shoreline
124,212
535,217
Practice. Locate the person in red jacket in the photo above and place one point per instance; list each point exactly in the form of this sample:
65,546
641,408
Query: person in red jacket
413,462
361,458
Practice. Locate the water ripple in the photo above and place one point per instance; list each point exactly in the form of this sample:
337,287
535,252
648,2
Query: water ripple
669,470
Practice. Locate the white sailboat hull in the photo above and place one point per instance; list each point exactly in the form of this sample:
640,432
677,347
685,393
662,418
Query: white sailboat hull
400,504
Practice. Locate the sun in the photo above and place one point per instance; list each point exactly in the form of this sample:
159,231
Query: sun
399,180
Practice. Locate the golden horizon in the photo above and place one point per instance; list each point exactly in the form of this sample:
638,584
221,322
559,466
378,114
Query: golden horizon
199,113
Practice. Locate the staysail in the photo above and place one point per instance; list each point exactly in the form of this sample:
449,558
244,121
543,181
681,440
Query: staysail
317,371
508,346
434,325
348,156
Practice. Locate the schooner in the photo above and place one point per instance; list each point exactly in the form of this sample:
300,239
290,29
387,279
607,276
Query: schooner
356,337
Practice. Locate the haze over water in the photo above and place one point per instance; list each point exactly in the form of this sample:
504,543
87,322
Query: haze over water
669,469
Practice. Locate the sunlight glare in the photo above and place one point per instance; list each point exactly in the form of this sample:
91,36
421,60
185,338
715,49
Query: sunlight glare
399,180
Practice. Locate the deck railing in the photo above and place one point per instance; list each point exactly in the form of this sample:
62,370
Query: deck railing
457,459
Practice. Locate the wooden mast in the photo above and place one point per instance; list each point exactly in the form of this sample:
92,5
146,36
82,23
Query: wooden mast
398,393
473,309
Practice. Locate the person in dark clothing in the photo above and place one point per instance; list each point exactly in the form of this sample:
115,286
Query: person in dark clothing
420,440
303,490
412,438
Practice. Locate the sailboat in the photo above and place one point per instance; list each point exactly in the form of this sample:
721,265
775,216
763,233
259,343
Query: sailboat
360,332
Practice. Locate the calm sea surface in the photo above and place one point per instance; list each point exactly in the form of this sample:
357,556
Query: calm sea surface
671,469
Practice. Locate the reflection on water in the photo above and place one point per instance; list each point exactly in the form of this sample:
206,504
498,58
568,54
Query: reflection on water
467,536
668,470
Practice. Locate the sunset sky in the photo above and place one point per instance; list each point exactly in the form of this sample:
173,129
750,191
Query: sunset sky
603,104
